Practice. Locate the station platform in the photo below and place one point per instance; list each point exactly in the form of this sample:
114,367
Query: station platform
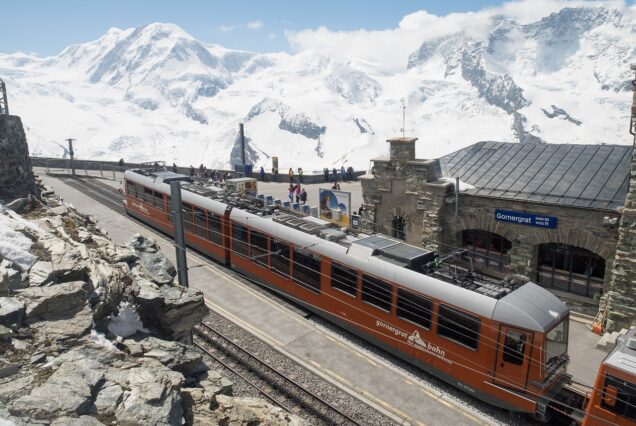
403,397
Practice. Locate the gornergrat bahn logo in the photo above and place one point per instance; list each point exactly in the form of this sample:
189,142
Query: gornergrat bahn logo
414,339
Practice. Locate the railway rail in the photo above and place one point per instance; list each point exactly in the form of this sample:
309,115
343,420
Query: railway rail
275,385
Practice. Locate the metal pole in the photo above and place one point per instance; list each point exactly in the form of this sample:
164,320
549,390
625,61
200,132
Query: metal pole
456,197
179,239
242,136
71,153
632,124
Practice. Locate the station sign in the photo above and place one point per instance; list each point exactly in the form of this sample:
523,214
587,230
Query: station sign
529,219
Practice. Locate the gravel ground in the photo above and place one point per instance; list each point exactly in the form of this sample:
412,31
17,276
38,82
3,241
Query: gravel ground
360,412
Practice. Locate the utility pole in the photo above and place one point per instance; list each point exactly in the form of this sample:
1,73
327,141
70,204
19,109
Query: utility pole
242,136
179,239
71,153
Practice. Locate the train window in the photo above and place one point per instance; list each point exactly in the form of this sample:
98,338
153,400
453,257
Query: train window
200,228
259,248
158,196
414,308
514,347
344,279
279,258
131,189
307,269
625,402
376,292
239,240
214,228
148,197
458,326
188,223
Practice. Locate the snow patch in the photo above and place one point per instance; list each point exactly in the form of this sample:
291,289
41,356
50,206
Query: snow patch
127,322
463,186
101,340
14,246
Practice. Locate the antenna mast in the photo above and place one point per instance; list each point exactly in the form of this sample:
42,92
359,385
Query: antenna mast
403,119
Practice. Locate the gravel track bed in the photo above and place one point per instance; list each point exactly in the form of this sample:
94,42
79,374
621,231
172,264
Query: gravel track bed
356,409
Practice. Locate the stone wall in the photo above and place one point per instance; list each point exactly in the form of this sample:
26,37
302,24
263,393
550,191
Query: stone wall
16,173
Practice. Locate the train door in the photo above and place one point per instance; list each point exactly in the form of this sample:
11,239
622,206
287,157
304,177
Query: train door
513,358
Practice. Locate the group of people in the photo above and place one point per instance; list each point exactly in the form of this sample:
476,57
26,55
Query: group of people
345,174
203,172
298,193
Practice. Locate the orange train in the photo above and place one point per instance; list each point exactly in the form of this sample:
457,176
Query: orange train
506,346
613,398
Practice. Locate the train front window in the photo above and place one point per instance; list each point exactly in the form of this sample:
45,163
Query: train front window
557,341
625,401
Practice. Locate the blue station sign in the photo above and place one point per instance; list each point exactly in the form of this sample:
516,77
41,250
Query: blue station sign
526,219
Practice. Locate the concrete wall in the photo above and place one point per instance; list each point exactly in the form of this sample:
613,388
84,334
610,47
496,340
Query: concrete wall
16,173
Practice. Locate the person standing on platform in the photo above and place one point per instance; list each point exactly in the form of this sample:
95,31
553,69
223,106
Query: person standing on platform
262,173
342,173
335,174
325,171
300,174
303,196
290,173
174,168
291,193
297,192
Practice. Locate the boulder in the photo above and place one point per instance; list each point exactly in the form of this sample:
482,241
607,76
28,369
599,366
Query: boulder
251,411
10,278
108,398
41,273
5,334
176,356
169,311
155,265
55,301
19,205
12,311
76,421
65,327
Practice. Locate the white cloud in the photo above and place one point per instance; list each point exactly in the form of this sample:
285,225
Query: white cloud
271,36
392,47
254,25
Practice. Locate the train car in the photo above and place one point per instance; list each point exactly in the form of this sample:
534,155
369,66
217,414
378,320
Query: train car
613,398
506,346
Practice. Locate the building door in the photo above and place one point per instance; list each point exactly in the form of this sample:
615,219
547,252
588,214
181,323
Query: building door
398,227
513,356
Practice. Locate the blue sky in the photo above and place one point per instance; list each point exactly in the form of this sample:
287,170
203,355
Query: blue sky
47,27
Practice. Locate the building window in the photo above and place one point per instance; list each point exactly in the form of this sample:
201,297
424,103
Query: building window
344,279
398,225
376,292
414,308
572,269
458,326
279,258
488,250
307,269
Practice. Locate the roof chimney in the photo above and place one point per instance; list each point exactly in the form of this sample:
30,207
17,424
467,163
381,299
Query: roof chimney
402,148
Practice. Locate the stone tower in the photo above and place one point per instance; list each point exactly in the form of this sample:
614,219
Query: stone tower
621,298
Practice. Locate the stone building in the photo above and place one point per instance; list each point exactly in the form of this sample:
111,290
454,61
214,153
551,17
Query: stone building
553,213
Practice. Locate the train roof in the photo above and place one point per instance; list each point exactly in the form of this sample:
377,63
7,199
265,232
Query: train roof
530,306
623,357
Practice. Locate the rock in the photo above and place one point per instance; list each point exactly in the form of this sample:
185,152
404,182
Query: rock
5,334
54,302
41,273
108,398
76,421
10,278
38,358
170,311
18,205
65,328
12,311
176,356
155,264
250,411
215,384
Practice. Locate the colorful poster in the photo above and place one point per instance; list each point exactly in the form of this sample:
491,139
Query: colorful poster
335,206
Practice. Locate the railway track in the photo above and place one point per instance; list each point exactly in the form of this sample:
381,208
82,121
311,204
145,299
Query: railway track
275,385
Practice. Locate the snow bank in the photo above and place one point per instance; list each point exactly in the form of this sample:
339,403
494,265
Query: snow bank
101,340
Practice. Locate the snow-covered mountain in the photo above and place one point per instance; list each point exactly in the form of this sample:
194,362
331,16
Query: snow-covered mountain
155,92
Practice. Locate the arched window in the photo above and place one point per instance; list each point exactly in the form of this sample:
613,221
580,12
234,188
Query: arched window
398,227
488,250
572,269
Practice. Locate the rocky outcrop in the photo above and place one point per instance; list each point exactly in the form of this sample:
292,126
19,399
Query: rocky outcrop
16,173
88,330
